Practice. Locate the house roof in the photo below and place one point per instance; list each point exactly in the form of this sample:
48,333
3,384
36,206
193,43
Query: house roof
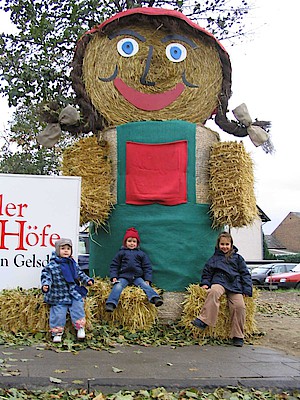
291,213
297,214
262,215
273,243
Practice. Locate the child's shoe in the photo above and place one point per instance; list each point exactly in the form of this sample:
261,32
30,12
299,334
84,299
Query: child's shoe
109,307
81,333
199,324
56,339
238,342
157,301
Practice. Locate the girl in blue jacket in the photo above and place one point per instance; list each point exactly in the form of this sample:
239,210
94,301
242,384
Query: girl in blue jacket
131,266
225,272
61,284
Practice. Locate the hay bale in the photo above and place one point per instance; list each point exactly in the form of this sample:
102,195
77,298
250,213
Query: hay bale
110,136
231,186
88,159
134,311
192,306
205,138
25,310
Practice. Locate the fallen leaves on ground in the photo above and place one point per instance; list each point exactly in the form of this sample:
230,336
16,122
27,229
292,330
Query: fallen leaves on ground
227,393
278,308
106,337
103,336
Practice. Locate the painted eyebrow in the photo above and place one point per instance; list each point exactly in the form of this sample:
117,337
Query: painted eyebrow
179,37
127,32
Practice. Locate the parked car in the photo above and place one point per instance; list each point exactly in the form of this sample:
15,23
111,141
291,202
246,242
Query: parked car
259,274
288,280
84,252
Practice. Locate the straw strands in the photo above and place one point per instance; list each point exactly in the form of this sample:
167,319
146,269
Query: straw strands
88,159
231,185
201,68
205,138
193,303
134,312
25,310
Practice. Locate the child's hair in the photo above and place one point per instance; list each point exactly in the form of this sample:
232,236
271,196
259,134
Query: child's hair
225,235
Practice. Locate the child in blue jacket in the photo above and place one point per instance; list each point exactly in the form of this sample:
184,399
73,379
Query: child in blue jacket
131,266
225,272
61,284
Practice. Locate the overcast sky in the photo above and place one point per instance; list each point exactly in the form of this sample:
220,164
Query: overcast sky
265,75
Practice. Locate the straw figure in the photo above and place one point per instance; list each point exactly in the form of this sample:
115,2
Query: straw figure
146,81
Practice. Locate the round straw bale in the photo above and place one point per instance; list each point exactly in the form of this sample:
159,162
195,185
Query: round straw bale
201,68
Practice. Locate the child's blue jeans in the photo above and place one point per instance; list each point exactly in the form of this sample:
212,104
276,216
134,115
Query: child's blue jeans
121,285
58,316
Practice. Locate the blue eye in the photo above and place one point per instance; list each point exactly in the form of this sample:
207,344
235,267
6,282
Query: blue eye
127,47
176,52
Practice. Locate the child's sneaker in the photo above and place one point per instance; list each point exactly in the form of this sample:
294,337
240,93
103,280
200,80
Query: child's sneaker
238,342
199,324
81,333
158,301
56,339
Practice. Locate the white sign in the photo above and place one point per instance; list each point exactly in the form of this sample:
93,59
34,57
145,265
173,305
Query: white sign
35,211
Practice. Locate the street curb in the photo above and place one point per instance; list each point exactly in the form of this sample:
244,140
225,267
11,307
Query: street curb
112,385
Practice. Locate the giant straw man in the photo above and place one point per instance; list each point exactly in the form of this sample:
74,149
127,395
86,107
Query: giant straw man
146,81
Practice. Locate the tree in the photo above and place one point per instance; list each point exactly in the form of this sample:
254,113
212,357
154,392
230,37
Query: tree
20,152
34,62
39,162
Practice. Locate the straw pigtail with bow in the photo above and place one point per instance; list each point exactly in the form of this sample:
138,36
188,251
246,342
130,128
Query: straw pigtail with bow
69,116
256,130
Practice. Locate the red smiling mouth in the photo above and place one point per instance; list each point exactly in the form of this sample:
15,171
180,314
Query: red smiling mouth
147,101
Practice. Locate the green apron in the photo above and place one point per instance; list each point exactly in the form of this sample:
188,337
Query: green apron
177,238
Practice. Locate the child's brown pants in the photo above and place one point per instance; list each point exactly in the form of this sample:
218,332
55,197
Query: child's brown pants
237,309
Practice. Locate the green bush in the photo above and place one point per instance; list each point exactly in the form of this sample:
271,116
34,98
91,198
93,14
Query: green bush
292,258
267,254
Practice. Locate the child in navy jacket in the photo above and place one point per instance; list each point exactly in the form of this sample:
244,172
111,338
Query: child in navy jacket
225,272
131,266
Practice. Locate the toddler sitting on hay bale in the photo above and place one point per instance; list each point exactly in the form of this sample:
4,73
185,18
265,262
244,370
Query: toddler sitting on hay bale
131,266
